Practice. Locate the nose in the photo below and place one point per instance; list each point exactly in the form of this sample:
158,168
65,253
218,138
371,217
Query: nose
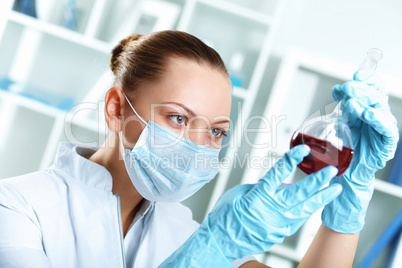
197,132
197,136
201,136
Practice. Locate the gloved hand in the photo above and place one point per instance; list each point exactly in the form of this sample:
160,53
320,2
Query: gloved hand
249,219
375,136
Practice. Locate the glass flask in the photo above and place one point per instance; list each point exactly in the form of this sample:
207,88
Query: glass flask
329,136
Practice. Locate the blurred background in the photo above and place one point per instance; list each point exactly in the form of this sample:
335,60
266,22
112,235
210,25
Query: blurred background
283,56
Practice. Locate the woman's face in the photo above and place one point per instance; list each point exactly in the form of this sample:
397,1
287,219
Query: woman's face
191,99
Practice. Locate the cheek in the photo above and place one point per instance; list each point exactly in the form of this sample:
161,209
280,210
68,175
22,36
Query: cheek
132,129
215,144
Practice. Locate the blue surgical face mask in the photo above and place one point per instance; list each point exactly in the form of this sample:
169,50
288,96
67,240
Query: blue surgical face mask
166,167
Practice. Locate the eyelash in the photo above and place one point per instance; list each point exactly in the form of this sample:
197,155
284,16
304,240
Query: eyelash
176,116
223,132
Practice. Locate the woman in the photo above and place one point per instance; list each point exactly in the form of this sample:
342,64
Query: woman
117,206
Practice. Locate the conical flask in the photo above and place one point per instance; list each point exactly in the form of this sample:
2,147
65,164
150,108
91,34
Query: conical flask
329,136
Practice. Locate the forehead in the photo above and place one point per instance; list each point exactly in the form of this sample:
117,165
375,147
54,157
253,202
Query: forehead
204,90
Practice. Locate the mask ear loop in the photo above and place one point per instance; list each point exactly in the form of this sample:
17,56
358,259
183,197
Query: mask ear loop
120,133
122,149
129,103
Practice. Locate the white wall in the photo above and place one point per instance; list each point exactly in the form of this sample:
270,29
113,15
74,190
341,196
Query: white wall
344,30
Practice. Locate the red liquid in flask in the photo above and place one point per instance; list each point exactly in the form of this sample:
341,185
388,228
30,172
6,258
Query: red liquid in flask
322,154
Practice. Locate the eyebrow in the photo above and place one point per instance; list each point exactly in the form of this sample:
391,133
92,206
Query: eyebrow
188,110
223,121
192,113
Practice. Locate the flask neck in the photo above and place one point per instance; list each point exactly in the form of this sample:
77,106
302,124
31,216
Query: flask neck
337,112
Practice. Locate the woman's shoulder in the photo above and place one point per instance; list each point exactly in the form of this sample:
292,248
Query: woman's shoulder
25,188
31,180
22,182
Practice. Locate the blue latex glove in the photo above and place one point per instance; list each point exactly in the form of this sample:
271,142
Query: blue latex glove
375,136
249,219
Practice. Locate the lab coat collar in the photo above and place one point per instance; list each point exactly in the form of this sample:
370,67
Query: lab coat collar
146,206
73,160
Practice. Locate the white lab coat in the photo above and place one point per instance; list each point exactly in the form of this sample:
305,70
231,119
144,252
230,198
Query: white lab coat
67,216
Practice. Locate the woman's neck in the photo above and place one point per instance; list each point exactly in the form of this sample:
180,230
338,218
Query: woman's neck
110,156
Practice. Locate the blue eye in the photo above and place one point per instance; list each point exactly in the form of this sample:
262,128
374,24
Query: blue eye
179,119
217,132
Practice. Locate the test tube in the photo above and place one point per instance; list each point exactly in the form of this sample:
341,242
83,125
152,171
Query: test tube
374,55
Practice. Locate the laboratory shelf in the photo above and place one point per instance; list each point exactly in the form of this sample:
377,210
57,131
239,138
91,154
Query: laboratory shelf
60,32
239,92
50,111
388,188
238,10
31,104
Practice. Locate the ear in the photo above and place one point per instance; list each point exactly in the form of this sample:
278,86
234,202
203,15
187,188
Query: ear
114,109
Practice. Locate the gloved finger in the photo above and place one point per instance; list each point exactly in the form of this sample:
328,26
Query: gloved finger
380,120
237,190
282,169
369,94
338,93
389,146
315,202
293,226
363,78
368,77
306,187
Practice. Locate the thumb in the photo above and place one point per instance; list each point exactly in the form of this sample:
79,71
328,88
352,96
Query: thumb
338,92
362,75
282,169
317,201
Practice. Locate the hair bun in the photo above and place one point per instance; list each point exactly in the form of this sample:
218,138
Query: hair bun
114,63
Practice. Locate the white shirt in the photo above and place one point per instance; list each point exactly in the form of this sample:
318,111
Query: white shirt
67,216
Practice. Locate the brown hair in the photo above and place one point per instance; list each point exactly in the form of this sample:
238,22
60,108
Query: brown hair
140,58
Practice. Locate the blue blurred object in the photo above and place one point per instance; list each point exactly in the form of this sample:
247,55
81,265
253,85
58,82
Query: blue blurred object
235,69
5,83
251,218
395,173
380,244
52,99
70,15
236,81
394,253
395,177
27,7
375,135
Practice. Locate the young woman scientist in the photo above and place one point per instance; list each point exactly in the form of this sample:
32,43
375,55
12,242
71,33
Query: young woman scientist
117,206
